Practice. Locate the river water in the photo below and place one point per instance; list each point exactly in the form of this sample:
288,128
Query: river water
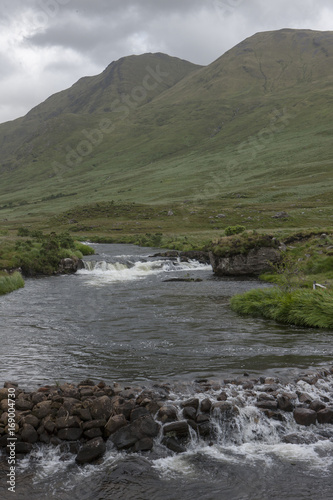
120,320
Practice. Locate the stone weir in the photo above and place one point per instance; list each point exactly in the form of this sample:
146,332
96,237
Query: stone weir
84,417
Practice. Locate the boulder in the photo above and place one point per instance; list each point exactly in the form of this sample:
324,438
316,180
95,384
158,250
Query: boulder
114,423
325,416
253,263
167,413
67,266
90,451
206,405
101,408
70,434
284,403
29,434
305,416
176,429
141,428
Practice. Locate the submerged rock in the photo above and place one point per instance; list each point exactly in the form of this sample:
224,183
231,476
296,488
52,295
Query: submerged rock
91,451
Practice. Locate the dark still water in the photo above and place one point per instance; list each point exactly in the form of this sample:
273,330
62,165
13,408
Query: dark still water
119,320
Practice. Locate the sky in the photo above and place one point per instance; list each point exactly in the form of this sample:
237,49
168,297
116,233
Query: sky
47,45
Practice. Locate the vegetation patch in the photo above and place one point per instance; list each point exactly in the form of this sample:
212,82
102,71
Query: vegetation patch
10,282
228,246
302,307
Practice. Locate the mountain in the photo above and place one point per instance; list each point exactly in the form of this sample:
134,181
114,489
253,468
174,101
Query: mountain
255,123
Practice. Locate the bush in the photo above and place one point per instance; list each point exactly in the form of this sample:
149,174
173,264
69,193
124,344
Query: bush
84,249
23,231
230,230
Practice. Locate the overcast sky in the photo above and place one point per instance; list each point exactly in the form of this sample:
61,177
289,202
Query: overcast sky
47,45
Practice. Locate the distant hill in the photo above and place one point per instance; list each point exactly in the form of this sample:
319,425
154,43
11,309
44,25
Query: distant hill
257,122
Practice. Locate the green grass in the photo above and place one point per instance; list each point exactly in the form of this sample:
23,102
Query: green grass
10,282
302,307
224,138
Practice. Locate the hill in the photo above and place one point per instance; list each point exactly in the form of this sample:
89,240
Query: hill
251,129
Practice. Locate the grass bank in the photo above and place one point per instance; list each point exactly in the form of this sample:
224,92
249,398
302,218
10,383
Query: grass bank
10,282
301,307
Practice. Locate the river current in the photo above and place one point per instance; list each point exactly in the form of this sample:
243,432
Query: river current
120,320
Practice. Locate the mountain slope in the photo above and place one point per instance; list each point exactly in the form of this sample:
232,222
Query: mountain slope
257,121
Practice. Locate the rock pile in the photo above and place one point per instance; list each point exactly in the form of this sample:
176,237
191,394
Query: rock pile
87,415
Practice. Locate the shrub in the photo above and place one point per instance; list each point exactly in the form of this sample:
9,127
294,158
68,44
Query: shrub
230,230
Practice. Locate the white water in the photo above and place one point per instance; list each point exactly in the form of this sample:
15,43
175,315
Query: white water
126,270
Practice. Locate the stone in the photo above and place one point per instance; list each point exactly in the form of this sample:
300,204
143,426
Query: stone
70,434
49,426
305,416
101,408
325,416
114,423
192,403
42,410
267,405
141,428
145,444
32,420
255,262
167,414
284,403
206,405
29,434
317,405
176,429
3,394
173,444
189,413
67,422
138,412
23,404
93,424
93,433
91,451
23,448
37,397
83,414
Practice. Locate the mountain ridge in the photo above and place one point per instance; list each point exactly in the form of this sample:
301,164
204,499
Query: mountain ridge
262,107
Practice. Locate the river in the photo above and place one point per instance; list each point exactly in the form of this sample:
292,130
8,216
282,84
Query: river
120,320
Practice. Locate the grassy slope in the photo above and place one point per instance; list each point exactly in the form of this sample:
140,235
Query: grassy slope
247,136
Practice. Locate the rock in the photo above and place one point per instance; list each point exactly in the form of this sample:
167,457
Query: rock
3,394
138,412
66,422
170,213
70,434
113,424
305,416
32,420
266,405
206,405
42,410
172,444
72,265
317,405
93,433
145,444
141,428
189,413
176,429
22,404
325,416
280,215
167,414
101,408
255,262
29,434
193,403
23,448
284,403
94,424
91,451
49,426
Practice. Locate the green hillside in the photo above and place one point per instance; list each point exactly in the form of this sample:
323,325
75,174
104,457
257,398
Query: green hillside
251,131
